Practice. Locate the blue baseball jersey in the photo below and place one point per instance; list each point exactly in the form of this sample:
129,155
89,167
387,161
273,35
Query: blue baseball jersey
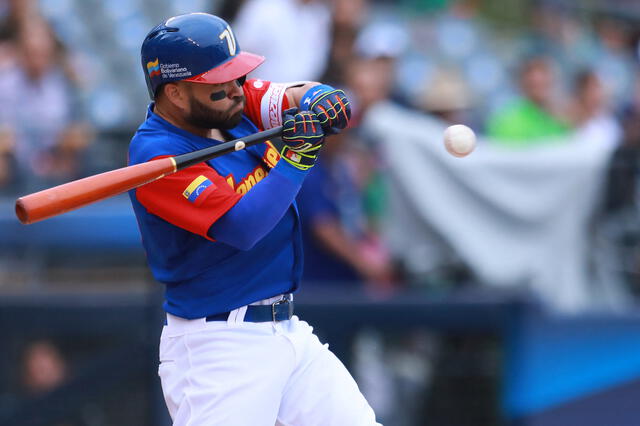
202,276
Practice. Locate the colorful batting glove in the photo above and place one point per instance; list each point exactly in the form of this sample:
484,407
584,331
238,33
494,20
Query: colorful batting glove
302,138
330,105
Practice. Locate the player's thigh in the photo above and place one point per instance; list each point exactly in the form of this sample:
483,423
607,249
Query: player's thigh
224,377
322,392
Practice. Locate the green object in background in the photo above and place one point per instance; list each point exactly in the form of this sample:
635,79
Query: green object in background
375,199
422,6
524,124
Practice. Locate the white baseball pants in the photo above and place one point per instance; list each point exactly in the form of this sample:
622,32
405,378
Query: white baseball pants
236,373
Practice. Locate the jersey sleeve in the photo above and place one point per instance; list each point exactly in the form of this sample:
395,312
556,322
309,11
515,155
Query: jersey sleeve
192,199
265,102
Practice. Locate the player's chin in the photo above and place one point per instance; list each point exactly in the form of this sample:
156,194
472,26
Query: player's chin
234,119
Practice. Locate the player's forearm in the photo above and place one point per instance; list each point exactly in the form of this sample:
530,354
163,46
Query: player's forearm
260,209
295,94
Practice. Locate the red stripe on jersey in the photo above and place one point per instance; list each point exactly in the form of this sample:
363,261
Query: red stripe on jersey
254,92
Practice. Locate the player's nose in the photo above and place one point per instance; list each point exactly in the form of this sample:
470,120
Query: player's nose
234,90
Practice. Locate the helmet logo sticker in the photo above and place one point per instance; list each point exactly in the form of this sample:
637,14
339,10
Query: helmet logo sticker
174,71
153,68
227,35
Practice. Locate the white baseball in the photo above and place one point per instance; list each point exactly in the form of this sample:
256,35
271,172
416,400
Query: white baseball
239,145
459,140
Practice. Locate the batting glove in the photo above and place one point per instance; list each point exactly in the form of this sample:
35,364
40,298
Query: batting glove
302,138
330,105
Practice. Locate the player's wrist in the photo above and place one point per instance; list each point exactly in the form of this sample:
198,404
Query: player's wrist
290,171
301,139
308,99
330,105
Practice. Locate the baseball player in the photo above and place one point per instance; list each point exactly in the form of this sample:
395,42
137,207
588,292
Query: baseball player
224,236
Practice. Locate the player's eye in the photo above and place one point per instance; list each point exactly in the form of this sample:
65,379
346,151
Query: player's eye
221,94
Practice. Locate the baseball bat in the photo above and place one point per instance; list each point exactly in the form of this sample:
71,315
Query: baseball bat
78,193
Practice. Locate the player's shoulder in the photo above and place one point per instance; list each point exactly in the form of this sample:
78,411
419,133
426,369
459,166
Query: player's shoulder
149,142
257,88
256,84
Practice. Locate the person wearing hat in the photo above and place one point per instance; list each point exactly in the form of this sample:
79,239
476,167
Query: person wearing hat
224,235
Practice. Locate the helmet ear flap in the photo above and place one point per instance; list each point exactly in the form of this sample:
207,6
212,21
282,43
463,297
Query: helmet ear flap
150,86
154,95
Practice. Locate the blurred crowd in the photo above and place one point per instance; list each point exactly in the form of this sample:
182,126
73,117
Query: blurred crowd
523,82
42,133
560,70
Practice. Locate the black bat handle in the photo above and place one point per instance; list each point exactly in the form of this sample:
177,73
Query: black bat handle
191,158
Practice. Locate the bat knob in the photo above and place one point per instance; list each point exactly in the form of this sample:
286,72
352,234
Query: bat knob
22,213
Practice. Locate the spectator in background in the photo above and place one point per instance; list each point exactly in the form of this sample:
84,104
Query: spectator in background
534,117
625,165
6,151
630,116
37,119
341,246
613,56
372,78
348,17
343,197
294,36
371,71
43,368
590,111
558,32
447,97
13,15
228,9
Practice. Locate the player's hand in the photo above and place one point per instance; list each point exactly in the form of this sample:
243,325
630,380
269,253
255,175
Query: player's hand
302,138
301,131
330,105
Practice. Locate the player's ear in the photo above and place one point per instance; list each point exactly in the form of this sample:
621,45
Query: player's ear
176,94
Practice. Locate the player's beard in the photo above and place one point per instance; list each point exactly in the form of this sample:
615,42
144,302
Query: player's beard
205,117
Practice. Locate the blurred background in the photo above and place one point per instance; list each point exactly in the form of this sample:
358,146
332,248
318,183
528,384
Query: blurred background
497,289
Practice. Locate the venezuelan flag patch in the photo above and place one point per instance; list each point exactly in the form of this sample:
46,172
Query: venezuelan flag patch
153,67
196,188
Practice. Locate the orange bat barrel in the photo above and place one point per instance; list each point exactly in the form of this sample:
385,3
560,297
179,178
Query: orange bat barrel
51,202
59,199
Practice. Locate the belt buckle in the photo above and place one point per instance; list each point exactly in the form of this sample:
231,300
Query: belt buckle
285,299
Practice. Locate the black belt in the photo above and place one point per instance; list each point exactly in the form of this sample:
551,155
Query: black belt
280,310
